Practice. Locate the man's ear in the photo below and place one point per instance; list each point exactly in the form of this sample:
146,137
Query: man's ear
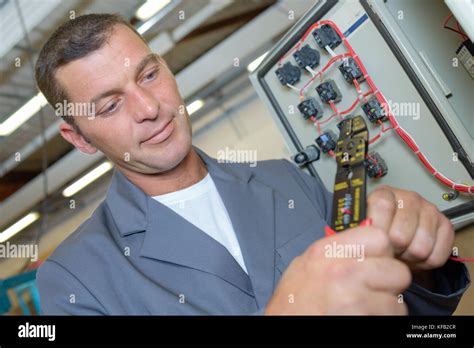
71,135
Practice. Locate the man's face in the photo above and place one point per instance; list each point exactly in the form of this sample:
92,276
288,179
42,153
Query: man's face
140,122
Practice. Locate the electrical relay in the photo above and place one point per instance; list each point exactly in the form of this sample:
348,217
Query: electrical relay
310,108
351,71
374,110
465,53
327,36
341,123
375,164
307,56
288,74
328,91
353,59
326,141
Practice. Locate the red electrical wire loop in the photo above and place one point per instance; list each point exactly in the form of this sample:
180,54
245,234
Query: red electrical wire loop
402,133
458,30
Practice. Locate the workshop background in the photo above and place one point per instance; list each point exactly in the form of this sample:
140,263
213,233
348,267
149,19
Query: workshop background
211,50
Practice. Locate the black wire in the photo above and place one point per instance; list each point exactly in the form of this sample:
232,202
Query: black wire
456,31
44,151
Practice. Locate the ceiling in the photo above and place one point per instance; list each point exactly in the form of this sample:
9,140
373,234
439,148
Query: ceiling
17,84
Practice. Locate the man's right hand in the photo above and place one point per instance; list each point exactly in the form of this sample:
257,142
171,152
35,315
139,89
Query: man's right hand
315,284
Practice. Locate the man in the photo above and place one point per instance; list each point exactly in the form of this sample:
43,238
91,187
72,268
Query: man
180,233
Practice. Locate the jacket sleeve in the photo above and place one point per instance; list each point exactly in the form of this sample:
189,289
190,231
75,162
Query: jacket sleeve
451,280
61,293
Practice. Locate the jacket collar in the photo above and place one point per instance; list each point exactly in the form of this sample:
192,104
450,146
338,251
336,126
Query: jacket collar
124,196
171,238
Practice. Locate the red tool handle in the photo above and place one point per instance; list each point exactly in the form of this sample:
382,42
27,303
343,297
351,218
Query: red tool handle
329,231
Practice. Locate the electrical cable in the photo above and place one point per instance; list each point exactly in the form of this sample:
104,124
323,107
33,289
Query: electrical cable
401,132
458,31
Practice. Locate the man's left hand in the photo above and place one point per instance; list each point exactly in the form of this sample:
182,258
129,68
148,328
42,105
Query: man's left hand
421,236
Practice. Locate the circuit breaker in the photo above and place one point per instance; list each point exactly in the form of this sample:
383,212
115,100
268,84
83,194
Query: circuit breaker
351,58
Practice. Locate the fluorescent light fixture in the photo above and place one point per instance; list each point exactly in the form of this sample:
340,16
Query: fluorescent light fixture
194,106
254,65
18,226
149,8
93,175
23,114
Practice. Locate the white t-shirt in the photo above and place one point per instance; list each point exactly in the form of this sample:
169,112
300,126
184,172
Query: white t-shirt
202,206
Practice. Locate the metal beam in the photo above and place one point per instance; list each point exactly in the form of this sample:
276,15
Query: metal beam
207,68
244,41
59,174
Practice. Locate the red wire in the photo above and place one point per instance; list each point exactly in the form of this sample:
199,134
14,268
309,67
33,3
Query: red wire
459,31
375,138
320,72
462,31
446,20
383,126
333,107
462,259
356,102
400,131
328,119
316,122
376,162
348,110
289,52
359,91
394,124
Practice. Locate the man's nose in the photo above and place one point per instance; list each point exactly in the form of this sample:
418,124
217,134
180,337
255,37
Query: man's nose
144,106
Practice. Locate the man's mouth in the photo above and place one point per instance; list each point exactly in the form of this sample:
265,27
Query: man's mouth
161,134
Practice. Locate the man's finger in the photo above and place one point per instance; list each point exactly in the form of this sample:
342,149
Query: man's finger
405,222
381,207
443,247
424,241
387,274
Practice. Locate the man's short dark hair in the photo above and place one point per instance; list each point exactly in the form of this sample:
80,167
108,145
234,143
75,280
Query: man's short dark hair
73,40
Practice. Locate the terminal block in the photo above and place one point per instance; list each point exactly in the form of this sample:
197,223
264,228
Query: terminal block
326,141
310,154
351,71
374,110
327,36
375,165
310,108
288,74
340,124
328,91
307,56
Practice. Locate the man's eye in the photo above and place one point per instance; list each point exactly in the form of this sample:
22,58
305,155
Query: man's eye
151,75
111,108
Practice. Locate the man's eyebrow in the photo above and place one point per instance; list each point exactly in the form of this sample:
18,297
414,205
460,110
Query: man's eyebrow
152,57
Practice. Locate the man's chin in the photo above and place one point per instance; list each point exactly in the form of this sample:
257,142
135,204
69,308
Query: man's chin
168,159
